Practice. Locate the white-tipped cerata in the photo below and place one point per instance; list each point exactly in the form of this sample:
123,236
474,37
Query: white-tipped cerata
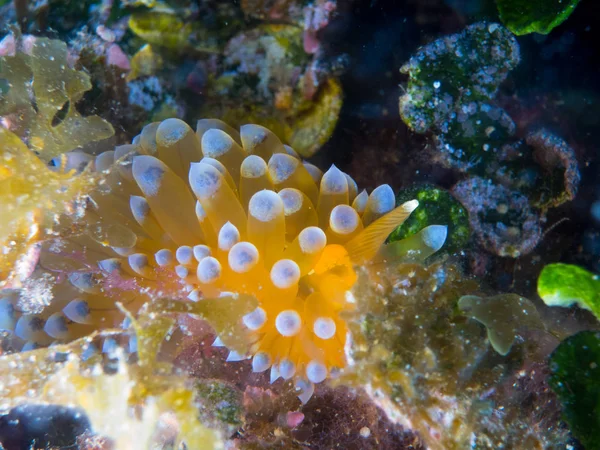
235,356
228,236
163,257
287,368
261,362
324,327
316,372
209,270
256,319
242,257
288,323
184,254
285,273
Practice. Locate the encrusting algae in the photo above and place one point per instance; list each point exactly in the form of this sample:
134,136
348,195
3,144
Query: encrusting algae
219,215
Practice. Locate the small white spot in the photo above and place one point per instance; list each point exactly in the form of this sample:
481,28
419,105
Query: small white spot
316,372
349,297
163,257
261,362
285,273
282,166
242,257
493,27
287,369
209,270
312,240
265,206
365,432
201,251
195,295
235,356
204,180
182,271
288,323
343,219
228,236
324,327
184,254
215,143
200,212
307,389
218,342
256,319
253,167
274,374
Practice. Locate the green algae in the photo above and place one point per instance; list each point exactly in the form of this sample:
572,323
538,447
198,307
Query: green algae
454,71
162,29
503,315
474,137
419,357
436,206
575,366
220,401
534,16
566,284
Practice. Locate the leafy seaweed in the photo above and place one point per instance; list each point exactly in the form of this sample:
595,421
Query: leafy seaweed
575,366
39,103
567,284
534,16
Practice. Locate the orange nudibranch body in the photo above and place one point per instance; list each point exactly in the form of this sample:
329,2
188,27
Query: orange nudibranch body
230,212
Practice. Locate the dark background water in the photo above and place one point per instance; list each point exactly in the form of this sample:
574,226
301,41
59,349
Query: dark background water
556,85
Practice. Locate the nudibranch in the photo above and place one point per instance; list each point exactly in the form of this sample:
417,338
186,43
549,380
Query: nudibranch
224,212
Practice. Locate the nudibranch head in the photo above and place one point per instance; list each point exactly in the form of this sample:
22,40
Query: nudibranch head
218,212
